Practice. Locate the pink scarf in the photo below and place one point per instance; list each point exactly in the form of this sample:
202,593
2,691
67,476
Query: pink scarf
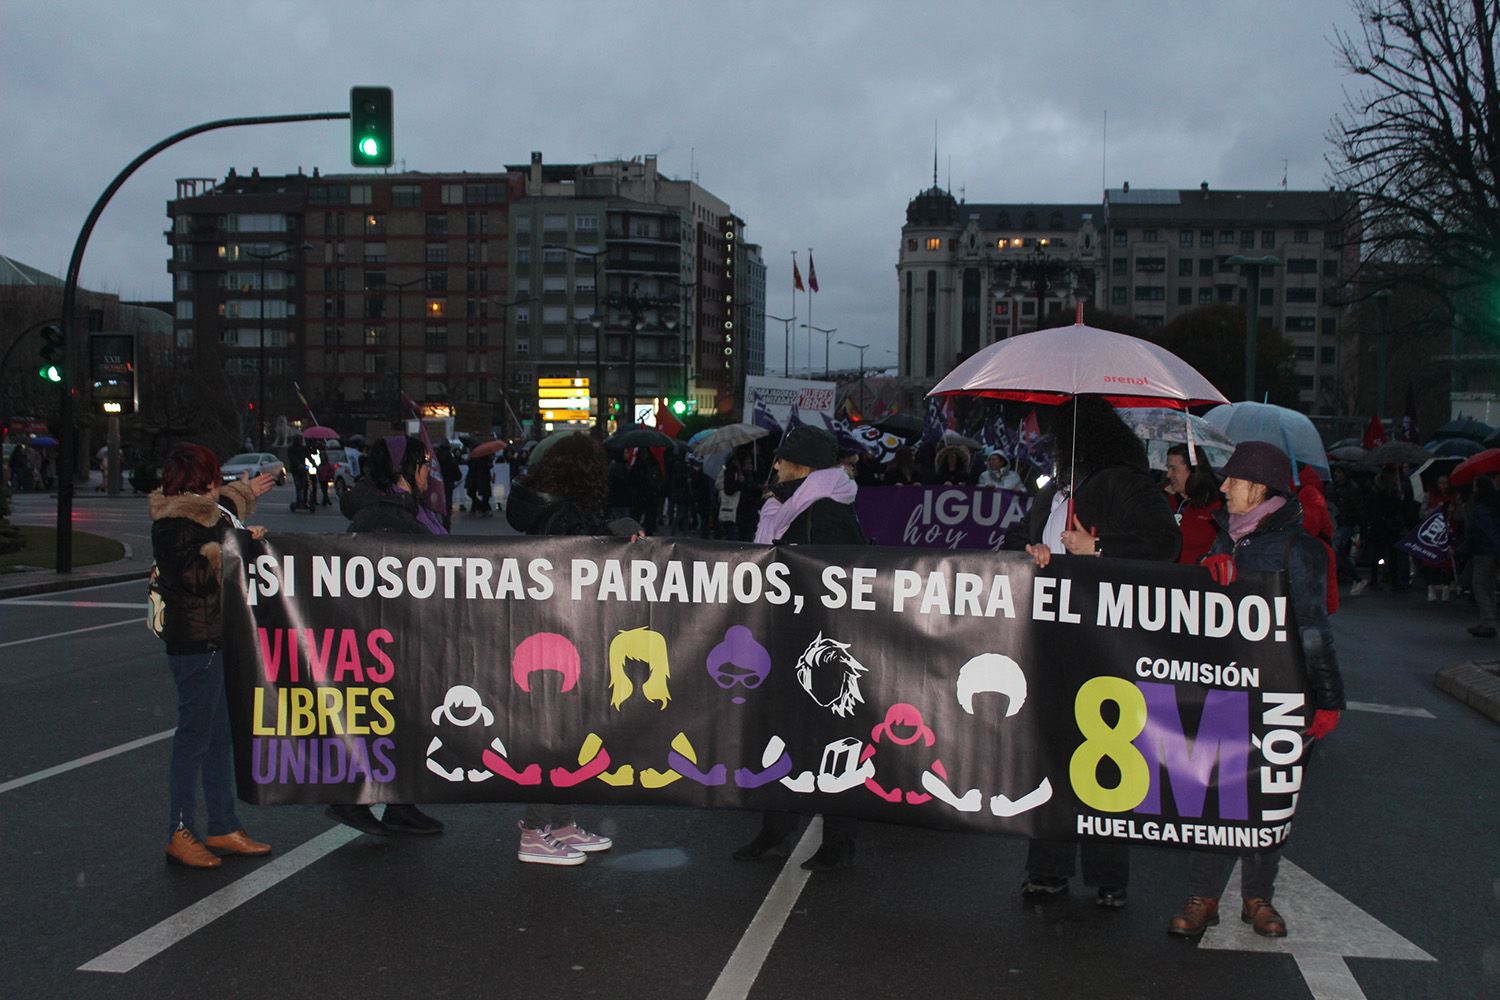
1241,525
776,517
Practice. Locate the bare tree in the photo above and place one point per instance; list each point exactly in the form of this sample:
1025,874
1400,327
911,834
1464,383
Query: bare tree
1419,144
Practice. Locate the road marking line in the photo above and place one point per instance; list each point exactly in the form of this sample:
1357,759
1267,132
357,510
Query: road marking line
134,605
155,940
78,590
1370,706
744,966
84,761
76,631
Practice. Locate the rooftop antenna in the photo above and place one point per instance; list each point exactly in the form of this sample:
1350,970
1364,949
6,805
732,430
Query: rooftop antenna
1283,174
934,152
1104,156
950,173
693,164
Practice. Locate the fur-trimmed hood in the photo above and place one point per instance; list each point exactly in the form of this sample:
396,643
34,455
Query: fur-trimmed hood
201,509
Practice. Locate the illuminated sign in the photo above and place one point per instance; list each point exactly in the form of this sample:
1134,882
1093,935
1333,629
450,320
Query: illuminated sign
562,383
114,407
561,415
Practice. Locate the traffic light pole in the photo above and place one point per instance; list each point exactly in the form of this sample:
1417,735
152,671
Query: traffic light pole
67,436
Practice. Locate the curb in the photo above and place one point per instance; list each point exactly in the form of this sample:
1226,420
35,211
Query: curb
56,585
1476,684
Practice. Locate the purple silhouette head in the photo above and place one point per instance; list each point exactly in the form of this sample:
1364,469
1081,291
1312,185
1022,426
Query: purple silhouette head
739,661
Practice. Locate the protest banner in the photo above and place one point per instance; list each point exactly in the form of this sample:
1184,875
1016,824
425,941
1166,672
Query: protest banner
779,398
1430,541
968,690
940,517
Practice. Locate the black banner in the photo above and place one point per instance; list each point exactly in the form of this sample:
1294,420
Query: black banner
1096,697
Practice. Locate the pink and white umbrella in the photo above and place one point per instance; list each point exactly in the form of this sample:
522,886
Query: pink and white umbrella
319,433
1048,366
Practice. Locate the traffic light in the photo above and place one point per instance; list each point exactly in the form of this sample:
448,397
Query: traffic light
682,407
51,355
372,137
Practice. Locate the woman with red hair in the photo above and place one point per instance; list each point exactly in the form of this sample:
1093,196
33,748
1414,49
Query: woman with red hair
191,514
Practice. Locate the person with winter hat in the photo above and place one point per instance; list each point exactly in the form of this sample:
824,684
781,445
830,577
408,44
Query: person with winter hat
1260,529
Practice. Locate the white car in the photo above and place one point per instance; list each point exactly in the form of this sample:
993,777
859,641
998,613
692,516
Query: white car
255,463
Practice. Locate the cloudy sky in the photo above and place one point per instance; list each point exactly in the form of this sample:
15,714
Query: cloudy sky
813,120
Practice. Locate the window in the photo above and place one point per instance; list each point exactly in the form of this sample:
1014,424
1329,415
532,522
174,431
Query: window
523,347
586,223
1205,237
934,243
554,314
264,223
584,283
375,307
1330,327
1268,296
1330,355
523,315
1301,324
374,253
1226,294
185,309
435,336
554,346
476,309
437,253
523,255
360,194
523,225
1122,237
1117,267
1247,239
1226,237
484,194
1302,295
374,224
1184,296
477,281
554,223
437,224
1267,239
373,336
1299,236
437,307
1304,352
1333,238
911,245
1185,267
1330,268
374,281
1028,307
552,255
1206,268
1185,238
1150,235
406,196
437,281
328,194
1150,293
478,223
1150,265
453,194
555,283
1206,295
185,281
1302,265
1117,296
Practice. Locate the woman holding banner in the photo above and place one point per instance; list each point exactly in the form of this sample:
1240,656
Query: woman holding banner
1193,491
190,517
1261,530
388,500
1103,503
564,494
811,502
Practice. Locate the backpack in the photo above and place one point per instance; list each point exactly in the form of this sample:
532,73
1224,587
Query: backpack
156,603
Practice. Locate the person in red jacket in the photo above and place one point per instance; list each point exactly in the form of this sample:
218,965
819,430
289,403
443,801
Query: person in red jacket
1193,491
1319,524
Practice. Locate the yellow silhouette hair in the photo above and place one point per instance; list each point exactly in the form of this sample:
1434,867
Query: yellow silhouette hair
651,649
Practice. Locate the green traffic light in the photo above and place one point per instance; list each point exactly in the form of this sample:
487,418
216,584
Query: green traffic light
679,406
369,146
50,373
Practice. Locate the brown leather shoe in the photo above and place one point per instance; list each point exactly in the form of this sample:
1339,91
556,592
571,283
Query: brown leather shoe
1263,918
186,850
237,842
1196,916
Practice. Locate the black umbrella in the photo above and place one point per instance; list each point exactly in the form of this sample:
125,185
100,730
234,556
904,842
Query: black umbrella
900,424
1456,447
638,437
1464,427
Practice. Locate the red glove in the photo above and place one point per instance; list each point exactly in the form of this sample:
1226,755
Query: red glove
1325,721
1221,568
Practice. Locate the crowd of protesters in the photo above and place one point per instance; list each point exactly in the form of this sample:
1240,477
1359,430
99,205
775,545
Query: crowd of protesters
1099,498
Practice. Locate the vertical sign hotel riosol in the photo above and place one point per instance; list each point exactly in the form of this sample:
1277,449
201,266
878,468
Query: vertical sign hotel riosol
729,236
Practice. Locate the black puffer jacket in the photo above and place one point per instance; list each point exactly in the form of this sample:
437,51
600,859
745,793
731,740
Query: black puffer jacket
1279,543
370,510
536,513
187,534
1128,512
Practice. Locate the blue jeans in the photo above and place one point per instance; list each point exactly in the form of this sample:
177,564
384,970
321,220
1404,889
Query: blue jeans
201,747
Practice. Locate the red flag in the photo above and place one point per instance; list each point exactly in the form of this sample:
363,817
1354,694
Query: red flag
666,422
1374,434
812,273
797,277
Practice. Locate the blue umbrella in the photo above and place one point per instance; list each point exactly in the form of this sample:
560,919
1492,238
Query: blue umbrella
1287,429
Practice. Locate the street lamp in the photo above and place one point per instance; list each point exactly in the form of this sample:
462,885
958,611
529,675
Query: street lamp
827,333
505,360
596,320
861,348
1251,269
260,407
786,342
1382,315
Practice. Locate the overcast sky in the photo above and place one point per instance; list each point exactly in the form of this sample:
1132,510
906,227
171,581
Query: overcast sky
813,120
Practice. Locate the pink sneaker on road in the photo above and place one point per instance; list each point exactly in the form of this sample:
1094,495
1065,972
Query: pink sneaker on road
539,847
580,839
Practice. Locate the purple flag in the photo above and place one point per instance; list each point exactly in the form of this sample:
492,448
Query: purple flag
1430,541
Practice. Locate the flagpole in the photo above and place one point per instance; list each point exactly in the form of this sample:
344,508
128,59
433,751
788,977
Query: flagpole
786,368
305,404
809,314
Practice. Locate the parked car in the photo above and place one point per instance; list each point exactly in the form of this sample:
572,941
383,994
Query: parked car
345,465
255,463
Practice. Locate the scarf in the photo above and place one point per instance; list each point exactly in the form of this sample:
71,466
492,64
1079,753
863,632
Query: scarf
426,517
825,484
1241,525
